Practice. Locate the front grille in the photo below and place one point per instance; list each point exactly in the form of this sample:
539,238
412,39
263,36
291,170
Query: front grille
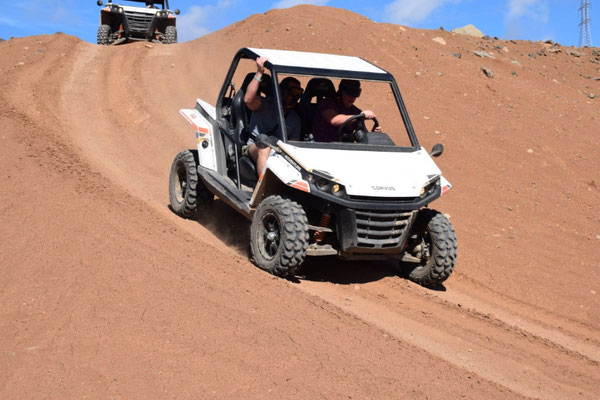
139,22
381,229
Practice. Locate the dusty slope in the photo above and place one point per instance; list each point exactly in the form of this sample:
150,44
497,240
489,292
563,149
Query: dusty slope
106,293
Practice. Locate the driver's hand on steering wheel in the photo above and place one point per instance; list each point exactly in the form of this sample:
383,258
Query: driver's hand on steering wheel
370,115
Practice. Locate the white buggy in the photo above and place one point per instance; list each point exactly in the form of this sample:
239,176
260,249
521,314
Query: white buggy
129,21
363,197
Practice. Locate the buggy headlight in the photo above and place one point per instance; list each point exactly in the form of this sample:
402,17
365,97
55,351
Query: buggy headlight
430,188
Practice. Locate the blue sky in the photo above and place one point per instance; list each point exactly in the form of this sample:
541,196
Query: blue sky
507,19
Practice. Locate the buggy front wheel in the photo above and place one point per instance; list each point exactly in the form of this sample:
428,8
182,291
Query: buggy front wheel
279,236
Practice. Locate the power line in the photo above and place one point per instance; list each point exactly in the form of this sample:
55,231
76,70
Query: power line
585,36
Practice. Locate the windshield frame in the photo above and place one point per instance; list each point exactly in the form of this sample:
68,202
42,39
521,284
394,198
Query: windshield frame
275,70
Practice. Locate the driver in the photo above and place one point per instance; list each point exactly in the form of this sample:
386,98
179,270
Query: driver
150,4
333,112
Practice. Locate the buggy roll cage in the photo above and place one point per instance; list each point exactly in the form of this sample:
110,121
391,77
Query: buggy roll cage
367,72
163,3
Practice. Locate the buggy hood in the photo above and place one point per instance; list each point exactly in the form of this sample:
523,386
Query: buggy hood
370,173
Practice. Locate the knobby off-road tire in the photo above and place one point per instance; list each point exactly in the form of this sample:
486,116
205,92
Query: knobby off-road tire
436,232
279,236
187,192
170,35
104,32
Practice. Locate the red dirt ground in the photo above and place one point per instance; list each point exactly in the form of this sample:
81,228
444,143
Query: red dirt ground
107,294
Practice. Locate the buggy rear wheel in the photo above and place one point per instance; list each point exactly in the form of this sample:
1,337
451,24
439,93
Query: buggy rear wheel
279,236
187,192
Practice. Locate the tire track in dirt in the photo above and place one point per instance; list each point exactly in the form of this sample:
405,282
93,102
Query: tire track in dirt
491,350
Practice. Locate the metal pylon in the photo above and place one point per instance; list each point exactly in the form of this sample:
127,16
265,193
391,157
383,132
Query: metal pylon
585,36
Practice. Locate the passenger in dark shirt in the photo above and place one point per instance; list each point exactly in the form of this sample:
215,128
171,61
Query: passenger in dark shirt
333,112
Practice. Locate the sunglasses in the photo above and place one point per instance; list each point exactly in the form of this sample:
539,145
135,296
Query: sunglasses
294,91
352,91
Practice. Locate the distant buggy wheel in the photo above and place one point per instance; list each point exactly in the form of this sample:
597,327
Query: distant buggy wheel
170,35
104,35
186,190
279,236
435,245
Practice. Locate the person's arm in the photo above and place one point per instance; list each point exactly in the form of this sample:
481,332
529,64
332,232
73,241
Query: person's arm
252,98
336,119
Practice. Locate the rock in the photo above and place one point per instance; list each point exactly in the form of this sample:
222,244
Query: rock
574,53
505,49
530,151
597,237
469,30
417,74
457,55
439,40
516,63
514,73
484,54
592,96
487,72
553,50
20,63
549,41
149,46
532,55
403,29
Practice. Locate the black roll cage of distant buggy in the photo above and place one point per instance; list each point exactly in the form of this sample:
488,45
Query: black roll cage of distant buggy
163,3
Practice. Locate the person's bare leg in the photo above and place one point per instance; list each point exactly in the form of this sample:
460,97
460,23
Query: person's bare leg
259,156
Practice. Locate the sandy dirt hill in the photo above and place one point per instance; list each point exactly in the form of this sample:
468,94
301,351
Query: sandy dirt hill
105,293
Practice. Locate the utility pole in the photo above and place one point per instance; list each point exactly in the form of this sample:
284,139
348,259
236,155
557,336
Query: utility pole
585,36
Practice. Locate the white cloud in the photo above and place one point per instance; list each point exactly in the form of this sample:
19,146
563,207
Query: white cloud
410,11
535,9
197,20
528,19
292,3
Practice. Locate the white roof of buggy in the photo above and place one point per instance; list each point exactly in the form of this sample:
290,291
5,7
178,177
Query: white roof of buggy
317,60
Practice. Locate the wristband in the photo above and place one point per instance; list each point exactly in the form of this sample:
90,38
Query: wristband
258,79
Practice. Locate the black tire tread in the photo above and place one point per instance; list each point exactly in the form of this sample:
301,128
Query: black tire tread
170,35
444,249
294,241
103,37
196,194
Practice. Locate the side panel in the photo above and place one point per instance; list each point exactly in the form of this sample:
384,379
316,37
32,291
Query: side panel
204,138
285,173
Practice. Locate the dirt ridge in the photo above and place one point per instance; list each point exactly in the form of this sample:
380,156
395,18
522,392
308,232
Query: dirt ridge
107,293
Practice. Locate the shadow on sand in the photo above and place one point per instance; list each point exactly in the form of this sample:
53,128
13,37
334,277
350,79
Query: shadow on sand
233,229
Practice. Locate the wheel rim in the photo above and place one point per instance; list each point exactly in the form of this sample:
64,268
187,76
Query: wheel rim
270,236
181,183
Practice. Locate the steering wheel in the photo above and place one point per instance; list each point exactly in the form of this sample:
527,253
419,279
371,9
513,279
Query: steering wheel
357,134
